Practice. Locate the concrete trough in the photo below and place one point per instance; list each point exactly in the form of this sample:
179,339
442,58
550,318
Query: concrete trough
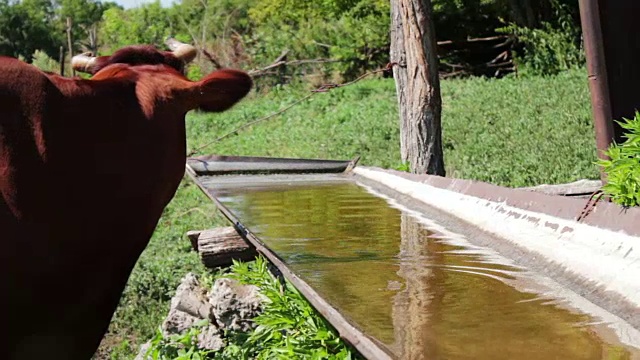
593,263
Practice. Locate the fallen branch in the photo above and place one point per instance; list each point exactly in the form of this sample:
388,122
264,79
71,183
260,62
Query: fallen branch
211,58
264,71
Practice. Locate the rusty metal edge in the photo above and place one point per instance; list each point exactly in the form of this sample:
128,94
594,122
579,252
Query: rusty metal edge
597,76
606,215
275,165
365,345
217,157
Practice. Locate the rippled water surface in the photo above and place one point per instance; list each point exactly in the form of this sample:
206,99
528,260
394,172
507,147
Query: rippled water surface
423,296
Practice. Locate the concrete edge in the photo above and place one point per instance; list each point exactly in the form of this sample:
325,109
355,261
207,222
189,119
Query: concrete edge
605,258
605,215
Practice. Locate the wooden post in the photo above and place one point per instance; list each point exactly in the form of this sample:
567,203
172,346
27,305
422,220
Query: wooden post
413,49
61,60
70,45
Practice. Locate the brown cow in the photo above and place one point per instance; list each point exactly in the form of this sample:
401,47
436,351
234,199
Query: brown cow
86,169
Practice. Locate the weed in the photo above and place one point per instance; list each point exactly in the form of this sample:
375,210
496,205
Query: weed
623,168
178,346
288,328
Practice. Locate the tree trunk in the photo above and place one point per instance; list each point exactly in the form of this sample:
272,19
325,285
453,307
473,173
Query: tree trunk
523,13
70,44
413,48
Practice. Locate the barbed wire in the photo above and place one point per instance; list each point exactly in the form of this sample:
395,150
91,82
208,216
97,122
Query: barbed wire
323,88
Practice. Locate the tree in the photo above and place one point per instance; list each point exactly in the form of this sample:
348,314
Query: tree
26,27
85,15
147,24
413,49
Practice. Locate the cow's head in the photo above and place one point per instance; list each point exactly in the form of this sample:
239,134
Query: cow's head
216,92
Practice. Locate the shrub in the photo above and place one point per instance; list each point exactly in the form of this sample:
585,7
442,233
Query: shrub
354,32
554,47
623,168
42,61
178,346
288,328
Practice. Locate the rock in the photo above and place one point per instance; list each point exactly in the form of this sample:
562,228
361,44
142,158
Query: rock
143,350
177,322
229,306
235,304
188,307
211,338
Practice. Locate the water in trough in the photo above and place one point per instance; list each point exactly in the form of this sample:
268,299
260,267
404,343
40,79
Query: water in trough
422,294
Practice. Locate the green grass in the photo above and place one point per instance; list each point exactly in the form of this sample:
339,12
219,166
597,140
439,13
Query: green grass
512,132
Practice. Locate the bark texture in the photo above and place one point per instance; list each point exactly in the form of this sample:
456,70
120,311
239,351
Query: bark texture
413,48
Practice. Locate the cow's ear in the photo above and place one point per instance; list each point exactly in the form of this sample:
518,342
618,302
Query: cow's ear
220,90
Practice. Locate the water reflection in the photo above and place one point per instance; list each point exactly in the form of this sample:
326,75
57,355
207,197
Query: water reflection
423,297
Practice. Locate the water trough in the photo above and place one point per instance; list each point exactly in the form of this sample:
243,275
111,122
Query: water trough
416,266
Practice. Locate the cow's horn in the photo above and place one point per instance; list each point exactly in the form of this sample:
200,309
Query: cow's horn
182,51
83,62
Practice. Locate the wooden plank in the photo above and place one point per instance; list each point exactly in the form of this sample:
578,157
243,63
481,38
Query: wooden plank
580,187
220,246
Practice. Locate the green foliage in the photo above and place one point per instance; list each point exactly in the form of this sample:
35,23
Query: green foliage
148,24
30,25
288,327
194,72
42,61
403,167
85,15
352,31
460,19
623,168
178,346
26,26
554,47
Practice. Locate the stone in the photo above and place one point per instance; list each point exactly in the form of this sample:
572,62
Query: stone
143,350
235,304
211,338
188,307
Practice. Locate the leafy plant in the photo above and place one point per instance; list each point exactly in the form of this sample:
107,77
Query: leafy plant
41,60
288,328
552,48
403,167
623,168
178,346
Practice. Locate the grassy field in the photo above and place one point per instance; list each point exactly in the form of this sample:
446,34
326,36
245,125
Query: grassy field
512,132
